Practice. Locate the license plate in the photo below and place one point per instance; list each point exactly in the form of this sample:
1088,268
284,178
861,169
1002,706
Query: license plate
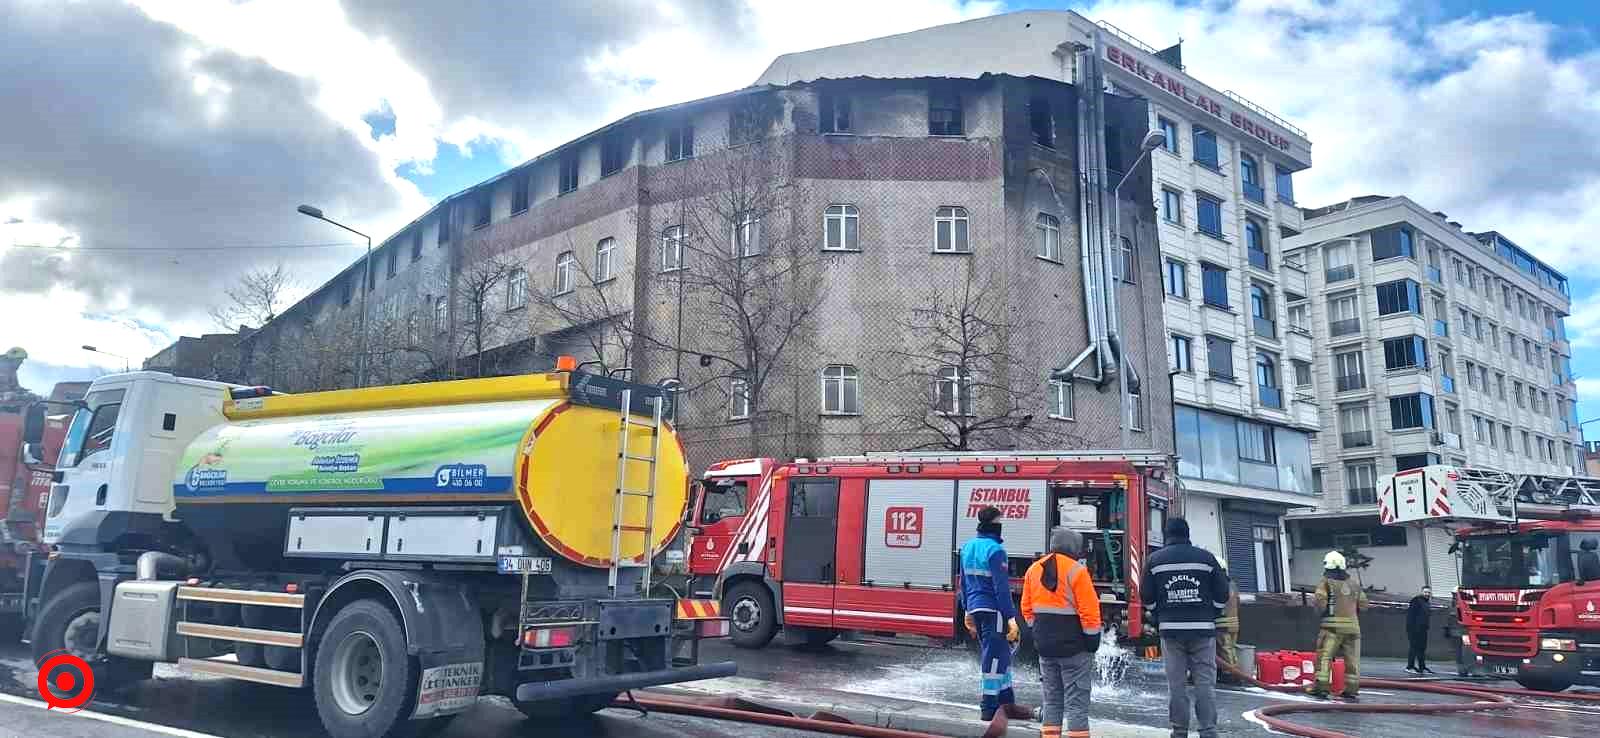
524,564
1503,669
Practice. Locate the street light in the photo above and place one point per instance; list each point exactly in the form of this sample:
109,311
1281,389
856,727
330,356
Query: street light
366,286
1153,139
125,364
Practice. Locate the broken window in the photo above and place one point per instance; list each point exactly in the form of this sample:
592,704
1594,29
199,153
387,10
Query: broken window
944,112
680,142
613,153
1041,122
569,172
835,113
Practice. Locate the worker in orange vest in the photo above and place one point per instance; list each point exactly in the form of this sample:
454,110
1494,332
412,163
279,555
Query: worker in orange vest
1060,603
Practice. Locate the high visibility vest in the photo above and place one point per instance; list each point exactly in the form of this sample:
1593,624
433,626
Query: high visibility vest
1059,600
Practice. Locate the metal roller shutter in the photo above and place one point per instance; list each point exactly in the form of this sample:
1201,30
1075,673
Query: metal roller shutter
1237,535
1443,575
910,532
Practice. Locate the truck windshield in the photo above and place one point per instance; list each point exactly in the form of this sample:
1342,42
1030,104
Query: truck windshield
92,427
1515,561
724,498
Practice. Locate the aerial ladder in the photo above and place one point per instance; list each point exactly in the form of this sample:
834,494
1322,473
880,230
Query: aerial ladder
1444,494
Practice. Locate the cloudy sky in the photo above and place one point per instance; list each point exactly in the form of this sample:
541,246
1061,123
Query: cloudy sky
149,149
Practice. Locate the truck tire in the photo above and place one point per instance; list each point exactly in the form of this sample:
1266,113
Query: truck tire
365,682
70,621
1543,684
565,708
752,617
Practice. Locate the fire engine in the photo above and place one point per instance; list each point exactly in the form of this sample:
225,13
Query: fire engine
1529,605
869,543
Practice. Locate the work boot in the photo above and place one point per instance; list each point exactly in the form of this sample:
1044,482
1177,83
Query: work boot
1349,698
1316,694
1020,712
1426,670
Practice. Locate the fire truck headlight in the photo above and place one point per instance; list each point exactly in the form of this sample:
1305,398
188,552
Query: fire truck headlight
1558,644
1558,658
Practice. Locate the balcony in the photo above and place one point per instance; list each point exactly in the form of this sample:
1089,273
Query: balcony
1340,273
1356,439
1266,328
1362,495
1434,275
1441,328
1258,259
1344,327
1255,193
1447,384
1350,382
1270,397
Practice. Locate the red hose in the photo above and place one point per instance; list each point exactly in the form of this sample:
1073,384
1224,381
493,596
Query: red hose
767,717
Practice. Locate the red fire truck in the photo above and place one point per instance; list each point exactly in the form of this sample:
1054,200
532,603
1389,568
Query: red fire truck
1529,605
26,430
869,543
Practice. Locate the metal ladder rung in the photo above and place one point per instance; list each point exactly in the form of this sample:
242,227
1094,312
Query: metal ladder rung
622,492
645,459
636,493
639,423
634,528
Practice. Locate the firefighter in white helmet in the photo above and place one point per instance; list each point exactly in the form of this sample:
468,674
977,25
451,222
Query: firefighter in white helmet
1341,602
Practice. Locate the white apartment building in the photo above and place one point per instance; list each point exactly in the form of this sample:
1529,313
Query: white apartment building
1224,193
1433,345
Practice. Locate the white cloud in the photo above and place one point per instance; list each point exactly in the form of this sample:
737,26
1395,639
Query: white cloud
1588,389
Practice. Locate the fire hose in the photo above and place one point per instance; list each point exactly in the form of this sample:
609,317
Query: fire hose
738,710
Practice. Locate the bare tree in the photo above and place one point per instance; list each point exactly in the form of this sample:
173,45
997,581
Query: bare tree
579,307
482,273
255,298
960,376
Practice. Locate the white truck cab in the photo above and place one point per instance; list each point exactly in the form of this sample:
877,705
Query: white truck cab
114,474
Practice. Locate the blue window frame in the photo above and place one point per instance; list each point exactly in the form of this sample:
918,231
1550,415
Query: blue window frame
1285,184
1405,352
1215,284
1209,211
1393,243
1250,173
1411,411
1205,148
1401,296
1170,130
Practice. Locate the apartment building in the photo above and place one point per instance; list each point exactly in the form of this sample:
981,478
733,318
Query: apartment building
1433,346
1224,191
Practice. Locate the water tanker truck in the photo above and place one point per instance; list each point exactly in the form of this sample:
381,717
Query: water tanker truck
396,551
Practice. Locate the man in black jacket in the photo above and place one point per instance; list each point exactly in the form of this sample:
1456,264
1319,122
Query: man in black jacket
1188,590
1417,631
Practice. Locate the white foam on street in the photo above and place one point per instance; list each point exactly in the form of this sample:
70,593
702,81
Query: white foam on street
112,719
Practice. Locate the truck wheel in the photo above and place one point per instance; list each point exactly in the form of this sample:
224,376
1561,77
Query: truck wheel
751,614
1543,684
565,708
366,684
70,622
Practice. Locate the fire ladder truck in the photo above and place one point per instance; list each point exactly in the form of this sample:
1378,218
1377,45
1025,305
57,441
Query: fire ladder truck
1529,600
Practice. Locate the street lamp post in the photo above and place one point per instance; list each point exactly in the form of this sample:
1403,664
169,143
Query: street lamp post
1152,140
125,365
366,286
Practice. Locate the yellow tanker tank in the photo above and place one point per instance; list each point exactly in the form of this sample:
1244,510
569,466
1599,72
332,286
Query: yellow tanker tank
548,441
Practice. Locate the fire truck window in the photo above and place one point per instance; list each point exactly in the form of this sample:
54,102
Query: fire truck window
813,498
724,499
1515,561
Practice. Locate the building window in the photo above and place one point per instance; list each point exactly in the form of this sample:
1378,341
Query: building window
1302,372
605,254
680,142
517,288
1214,284
1170,131
1405,352
1255,443
1285,184
834,112
1219,357
1411,411
738,400
1500,384
950,230
1401,296
1061,399
1349,371
1126,267
1135,408
952,393
444,228
1393,243
841,228
1041,122
1048,231
1114,145
746,234
1527,445
1355,426
1250,175
1477,428
1299,315
345,289
569,173
1177,279
613,153
1205,148
1407,462
1182,354
1262,315
1338,264
519,193
416,245
566,272
1267,380
841,390
1172,206
481,210
393,262
1255,244
1516,391
1361,483
441,315
1343,314
1210,214
672,248
944,112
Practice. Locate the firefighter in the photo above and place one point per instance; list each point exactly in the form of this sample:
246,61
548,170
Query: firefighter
1341,602
1060,604
1228,632
991,616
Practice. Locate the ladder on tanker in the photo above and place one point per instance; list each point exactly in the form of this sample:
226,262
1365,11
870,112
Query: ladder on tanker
625,456
1509,490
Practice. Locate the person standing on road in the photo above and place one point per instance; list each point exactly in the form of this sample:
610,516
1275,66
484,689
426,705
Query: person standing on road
991,616
1187,589
1228,632
1060,604
1341,602
1417,631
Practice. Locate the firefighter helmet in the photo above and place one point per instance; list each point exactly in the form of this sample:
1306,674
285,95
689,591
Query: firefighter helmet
1334,560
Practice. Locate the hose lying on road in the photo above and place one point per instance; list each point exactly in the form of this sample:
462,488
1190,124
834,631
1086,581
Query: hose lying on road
738,710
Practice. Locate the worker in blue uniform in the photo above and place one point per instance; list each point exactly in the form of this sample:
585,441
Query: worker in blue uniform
991,616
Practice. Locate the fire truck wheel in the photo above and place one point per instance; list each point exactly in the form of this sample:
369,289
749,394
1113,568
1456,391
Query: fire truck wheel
751,613
566,708
70,622
366,683
1543,684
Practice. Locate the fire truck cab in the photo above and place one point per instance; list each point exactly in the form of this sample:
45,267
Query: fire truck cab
869,543
1529,604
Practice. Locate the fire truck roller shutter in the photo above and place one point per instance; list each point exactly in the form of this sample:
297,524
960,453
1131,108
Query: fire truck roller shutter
1442,573
1024,513
910,532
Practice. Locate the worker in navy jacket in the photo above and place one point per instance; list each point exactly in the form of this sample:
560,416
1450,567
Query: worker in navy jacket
991,616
